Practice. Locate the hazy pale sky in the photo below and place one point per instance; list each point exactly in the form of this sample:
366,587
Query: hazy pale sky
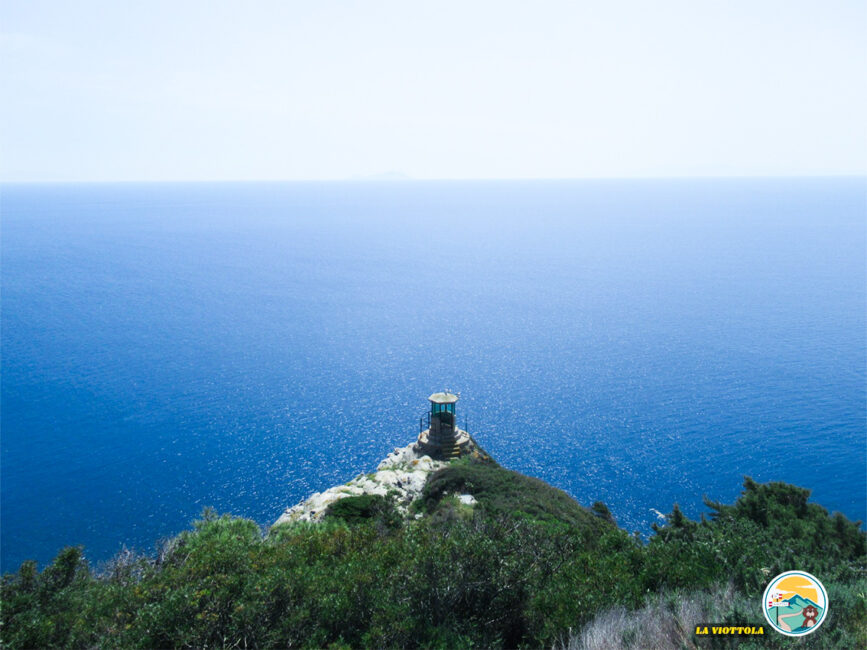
190,90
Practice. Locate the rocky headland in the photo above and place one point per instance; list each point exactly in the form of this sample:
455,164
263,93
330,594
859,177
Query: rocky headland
401,475
441,547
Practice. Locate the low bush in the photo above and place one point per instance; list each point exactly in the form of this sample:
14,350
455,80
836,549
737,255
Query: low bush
365,507
520,569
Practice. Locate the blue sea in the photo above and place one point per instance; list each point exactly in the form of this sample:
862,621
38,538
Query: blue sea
167,347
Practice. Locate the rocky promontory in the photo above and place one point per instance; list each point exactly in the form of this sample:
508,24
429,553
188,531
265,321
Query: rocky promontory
402,475
441,547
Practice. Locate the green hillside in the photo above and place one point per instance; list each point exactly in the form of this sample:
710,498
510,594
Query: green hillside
518,565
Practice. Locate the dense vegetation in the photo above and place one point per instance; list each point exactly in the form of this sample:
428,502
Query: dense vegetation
520,568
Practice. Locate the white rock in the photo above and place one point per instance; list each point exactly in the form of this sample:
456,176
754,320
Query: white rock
403,472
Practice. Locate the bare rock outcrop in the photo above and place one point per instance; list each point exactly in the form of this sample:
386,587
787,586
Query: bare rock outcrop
403,474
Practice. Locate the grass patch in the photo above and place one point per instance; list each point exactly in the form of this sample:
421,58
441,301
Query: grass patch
502,492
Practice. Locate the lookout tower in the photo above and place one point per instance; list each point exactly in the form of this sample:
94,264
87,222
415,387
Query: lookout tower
443,439
442,416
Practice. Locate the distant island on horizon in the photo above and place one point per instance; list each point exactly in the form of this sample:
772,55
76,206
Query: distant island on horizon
382,176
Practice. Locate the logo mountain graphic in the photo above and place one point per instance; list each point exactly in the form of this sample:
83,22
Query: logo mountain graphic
800,601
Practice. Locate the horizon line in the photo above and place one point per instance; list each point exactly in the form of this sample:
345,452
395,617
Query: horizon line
405,179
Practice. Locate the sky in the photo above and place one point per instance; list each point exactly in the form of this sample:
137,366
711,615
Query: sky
285,90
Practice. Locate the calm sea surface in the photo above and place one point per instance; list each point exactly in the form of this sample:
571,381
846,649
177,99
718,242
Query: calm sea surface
171,347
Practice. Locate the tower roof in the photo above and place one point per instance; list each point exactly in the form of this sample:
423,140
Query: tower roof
443,398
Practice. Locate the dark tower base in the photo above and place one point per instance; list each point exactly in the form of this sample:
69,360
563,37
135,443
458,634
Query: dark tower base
444,448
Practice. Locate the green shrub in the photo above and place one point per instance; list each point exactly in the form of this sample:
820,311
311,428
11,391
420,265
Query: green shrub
504,493
771,528
522,567
364,507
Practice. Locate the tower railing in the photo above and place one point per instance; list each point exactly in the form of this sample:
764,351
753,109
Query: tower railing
424,422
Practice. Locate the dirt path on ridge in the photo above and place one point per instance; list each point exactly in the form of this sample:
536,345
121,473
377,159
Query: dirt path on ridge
785,625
